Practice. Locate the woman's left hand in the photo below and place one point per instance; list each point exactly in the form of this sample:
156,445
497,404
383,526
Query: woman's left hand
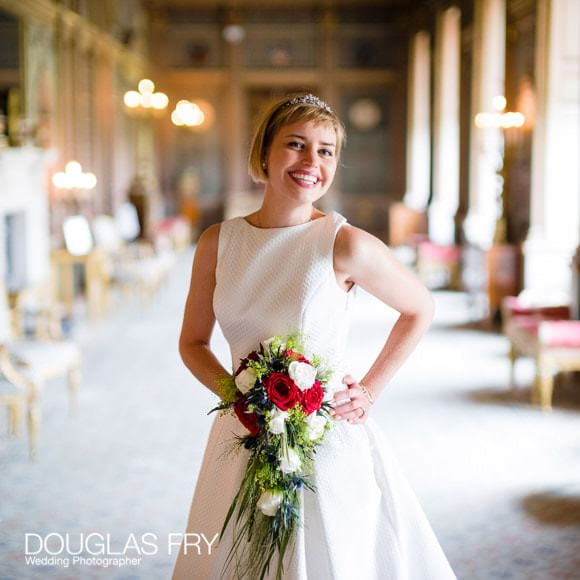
351,409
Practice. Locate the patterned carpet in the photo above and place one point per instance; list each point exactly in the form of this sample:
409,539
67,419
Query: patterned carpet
498,479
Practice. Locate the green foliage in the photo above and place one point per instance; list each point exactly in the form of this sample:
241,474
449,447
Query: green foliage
260,366
227,389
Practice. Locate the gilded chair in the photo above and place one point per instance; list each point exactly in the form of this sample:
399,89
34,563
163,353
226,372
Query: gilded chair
548,336
28,363
137,266
14,399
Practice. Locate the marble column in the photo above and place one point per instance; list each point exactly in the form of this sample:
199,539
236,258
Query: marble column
329,89
555,189
485,144
446,128
235,131
419,124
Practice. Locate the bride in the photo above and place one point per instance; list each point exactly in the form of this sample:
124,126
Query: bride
290,266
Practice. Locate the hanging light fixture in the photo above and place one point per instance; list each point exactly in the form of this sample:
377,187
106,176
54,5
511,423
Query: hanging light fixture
146,99
196,115
73,183
187,114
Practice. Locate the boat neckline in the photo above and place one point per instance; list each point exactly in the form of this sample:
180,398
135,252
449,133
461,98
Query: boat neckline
243,218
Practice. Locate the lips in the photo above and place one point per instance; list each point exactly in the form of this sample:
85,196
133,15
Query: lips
304,179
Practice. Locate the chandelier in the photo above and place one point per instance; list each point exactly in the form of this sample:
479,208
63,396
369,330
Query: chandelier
145,100
73,184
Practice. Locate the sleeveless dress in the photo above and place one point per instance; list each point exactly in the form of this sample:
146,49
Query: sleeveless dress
364,521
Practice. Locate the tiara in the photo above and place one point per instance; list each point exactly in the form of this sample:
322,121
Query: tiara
311,100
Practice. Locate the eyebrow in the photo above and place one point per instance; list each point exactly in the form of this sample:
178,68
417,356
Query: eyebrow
302,137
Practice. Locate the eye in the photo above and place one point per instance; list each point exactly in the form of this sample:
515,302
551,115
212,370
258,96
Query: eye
327,152
296,144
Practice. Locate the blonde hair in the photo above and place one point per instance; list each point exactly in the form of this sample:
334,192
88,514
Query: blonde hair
282,113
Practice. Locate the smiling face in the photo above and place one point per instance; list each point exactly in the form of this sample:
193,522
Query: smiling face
302,161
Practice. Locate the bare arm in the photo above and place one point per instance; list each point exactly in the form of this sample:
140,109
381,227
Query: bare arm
372,265
199,317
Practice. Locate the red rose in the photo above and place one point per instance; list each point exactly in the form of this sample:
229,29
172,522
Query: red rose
296,356
312,398
252,356
282,391
248,420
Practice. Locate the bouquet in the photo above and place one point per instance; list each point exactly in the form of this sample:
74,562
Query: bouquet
282,398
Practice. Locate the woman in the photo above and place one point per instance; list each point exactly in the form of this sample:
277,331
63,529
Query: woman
287,266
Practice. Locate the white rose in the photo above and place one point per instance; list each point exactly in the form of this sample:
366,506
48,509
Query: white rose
289,463
277,419
329,390
302,374
246,379
269,502
332,387
316,425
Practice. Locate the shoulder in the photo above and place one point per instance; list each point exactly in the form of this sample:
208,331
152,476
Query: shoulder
209,237
354,243
207,245
358,253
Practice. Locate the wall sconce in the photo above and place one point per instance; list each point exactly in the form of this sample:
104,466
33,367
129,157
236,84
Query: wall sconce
233,33
499,119
146,99
502,121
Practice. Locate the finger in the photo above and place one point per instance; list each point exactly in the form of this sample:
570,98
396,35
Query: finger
350,413
355,387
358,420
342,395
348,380
344,408
348,416
355,392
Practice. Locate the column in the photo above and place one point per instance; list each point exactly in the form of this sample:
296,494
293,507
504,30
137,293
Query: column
329,89
234,135
104,135
418,124
485,146
555,201
446,128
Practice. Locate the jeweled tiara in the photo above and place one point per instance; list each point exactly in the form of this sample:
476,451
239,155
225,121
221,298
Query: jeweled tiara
311,100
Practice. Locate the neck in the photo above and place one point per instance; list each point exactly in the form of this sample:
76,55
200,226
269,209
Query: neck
279,216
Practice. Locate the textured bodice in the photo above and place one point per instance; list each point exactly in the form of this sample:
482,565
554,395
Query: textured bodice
276,281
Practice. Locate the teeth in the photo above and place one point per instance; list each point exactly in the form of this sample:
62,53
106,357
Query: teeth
306,178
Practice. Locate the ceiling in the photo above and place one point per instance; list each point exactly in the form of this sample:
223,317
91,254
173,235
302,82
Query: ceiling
273,4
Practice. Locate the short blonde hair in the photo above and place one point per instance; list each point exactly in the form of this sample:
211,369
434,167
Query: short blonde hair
282,113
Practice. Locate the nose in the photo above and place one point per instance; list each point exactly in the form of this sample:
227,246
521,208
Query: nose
309,156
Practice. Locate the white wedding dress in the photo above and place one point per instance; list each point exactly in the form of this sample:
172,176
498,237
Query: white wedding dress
364,522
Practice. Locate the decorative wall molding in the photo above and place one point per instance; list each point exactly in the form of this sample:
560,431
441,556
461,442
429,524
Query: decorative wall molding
74,26
42,10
